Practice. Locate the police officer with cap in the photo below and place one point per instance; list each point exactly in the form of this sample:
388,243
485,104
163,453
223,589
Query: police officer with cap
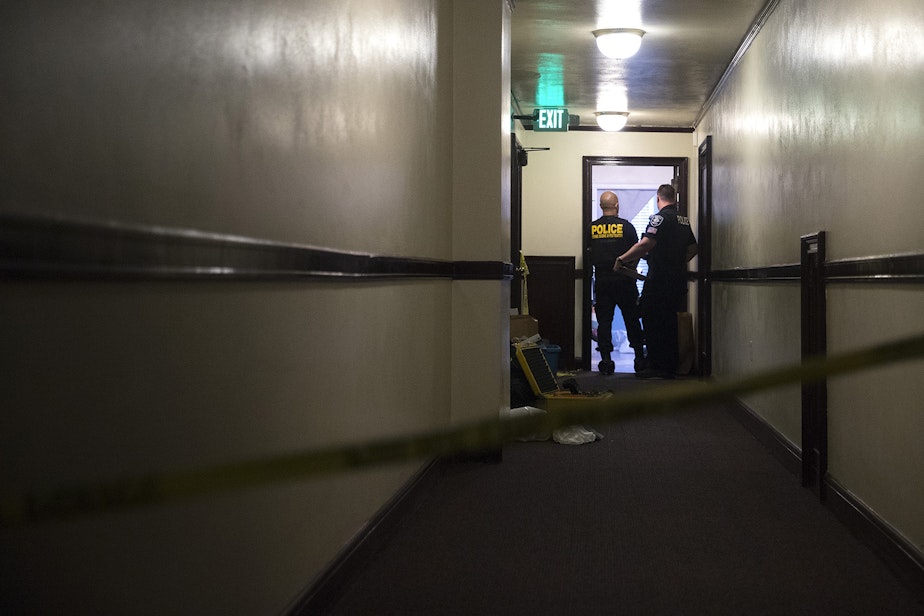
668,244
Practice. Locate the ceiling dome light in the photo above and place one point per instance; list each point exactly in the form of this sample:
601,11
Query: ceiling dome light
612,120
619,42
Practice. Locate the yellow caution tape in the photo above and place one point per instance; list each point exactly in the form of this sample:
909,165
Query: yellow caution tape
524,293
77,500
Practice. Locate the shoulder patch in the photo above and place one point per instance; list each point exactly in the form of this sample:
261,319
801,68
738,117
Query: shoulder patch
655,220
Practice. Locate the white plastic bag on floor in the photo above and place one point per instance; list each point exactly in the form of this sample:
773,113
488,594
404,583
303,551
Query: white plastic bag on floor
575,435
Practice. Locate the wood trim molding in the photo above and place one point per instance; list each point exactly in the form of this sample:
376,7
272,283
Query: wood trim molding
896,268
329,585
907,268
814,343
482,270
52,248
901,556
634,129
781,448
772,273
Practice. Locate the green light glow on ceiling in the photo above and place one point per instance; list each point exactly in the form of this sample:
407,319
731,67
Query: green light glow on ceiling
550,89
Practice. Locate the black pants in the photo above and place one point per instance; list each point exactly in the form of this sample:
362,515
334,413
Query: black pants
659,315
610,292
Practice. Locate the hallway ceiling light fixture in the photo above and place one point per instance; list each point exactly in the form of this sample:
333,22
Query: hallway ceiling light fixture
619,42
612,120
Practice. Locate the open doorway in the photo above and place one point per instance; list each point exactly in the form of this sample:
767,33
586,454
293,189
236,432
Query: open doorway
635,181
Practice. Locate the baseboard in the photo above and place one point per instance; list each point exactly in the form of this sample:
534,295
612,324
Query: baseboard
905,561
329,585
902,558
781,448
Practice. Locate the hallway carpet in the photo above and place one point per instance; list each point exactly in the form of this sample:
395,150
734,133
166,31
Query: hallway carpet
684,513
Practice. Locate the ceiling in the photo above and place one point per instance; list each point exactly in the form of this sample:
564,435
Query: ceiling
686,50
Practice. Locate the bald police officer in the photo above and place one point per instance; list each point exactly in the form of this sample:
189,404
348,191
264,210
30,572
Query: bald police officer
611,236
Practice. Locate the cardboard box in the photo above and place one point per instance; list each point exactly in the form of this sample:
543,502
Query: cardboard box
523,326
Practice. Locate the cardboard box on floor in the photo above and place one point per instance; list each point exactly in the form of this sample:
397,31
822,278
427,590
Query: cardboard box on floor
523,326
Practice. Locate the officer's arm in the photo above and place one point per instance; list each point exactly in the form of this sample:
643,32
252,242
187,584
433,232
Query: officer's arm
639,250
691,251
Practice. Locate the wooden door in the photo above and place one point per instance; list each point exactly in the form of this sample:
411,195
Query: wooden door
550,286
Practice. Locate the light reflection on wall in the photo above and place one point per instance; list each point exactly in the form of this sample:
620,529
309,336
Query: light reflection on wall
884,46
826,107
329,39
327,57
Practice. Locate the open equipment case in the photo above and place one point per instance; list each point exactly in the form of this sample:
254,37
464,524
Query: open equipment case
551,396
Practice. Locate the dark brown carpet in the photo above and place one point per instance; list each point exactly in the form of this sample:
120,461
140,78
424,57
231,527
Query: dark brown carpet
676,514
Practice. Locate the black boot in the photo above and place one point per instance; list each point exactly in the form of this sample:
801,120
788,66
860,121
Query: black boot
640,362
606,365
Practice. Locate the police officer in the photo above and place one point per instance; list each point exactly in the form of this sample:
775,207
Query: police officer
610,236
669,244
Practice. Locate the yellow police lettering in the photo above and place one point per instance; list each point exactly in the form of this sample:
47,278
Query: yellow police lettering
606,231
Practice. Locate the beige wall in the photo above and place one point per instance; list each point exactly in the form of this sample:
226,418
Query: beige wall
553,180
481,202
820,128
288,124
553,188
326,123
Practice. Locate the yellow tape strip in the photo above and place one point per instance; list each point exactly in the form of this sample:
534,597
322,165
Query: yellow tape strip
77,500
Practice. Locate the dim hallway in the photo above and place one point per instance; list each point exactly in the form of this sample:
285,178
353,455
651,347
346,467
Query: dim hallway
231,231
684,513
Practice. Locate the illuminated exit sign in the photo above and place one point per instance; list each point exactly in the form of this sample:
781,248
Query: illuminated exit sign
550,119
